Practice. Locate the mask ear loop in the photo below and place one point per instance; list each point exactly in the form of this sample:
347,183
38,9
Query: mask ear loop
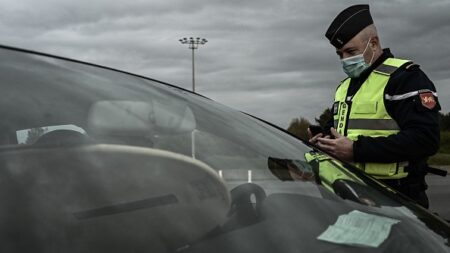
373,53
371,59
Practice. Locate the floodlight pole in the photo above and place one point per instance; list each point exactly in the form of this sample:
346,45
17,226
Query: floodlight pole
193,44
193,71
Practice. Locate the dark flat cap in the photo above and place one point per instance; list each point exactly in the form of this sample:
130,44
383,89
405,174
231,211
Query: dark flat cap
348,23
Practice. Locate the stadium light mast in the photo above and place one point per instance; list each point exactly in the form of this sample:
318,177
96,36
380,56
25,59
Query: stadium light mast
193,44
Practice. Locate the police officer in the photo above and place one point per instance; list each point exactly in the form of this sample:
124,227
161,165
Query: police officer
385,113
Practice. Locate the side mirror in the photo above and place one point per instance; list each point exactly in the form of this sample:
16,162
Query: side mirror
139,118
353,191
344,190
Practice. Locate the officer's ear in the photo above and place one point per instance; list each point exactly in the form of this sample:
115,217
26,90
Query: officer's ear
374,43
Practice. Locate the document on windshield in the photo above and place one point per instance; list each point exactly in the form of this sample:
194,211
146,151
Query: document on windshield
359,229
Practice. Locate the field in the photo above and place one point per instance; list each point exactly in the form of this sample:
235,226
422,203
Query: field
443,156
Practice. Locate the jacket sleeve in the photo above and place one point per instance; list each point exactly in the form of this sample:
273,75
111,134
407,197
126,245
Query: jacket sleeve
419,134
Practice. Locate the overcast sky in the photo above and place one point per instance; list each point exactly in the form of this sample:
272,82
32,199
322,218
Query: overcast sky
267,58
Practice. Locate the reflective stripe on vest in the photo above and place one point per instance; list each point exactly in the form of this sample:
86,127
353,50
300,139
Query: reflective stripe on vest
365,114
371,124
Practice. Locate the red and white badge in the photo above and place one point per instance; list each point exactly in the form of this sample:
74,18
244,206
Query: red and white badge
428,100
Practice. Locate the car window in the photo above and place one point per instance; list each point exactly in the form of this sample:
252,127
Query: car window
114,108
121,151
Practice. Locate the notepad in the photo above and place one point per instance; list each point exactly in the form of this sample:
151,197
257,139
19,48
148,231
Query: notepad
359,229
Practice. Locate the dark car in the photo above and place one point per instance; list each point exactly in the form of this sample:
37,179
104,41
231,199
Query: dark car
99,160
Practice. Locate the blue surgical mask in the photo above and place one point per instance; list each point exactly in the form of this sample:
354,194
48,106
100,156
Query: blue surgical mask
355,65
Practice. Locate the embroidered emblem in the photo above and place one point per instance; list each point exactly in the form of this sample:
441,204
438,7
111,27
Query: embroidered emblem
428,100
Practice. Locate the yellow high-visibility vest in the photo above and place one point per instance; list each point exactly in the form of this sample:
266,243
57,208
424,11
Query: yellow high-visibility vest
329,170
367,116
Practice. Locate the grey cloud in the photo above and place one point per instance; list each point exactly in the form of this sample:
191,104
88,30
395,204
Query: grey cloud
272,105
269,58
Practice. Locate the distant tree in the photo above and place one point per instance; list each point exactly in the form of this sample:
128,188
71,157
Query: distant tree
299,128
324,117
444,120
34,134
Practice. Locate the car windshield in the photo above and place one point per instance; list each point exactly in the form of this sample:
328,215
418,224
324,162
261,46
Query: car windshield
94,159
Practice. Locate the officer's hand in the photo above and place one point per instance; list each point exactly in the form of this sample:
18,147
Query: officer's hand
341,147
313,139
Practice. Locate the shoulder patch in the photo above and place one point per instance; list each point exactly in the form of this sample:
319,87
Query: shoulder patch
427,99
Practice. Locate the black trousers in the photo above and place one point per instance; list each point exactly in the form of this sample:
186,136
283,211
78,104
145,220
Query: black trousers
413,187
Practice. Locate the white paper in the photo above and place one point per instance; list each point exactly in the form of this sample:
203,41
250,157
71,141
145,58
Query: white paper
359,229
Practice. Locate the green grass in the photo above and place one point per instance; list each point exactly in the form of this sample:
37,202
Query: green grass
445,142
439,159
443,156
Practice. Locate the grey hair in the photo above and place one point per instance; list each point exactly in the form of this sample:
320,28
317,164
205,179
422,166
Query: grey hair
369,32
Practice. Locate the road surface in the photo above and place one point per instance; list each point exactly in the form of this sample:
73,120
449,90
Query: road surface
439,194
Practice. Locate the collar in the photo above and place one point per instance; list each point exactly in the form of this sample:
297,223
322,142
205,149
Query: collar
386,54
